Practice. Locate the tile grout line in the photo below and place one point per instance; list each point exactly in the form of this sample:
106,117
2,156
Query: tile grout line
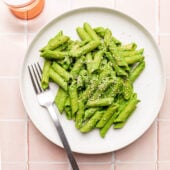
134,162
115,4
163,120
0,160
157,19
59,163
48,162
158,146
27,141
27,122
113,160
70,4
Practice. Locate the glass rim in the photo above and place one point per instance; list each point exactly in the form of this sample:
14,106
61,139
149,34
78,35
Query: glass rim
18,3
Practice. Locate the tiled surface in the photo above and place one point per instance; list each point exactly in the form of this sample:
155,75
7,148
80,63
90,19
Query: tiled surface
164,166
135,166
11,104
164,140
44,166
147,144
13,142
164,13
144,11
22,147
14,166
41,150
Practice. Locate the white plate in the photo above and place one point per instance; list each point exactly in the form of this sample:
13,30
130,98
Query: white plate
150,86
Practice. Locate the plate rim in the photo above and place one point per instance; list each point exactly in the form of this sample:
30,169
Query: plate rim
163,85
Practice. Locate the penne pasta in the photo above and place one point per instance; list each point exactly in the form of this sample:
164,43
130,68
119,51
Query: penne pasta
95,77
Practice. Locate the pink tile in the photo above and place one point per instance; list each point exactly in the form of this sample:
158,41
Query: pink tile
11,103
164,14
143,11
13,49
51,9
9,23
15,166
165,112
96,166
13,141
135,166
30,37
163,166
94,158
45,166
164,141
85,3
164,46
41,149
144,149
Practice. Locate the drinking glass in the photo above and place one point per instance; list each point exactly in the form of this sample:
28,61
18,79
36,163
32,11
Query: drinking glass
25,9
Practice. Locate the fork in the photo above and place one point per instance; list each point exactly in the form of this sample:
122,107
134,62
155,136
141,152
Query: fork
46,99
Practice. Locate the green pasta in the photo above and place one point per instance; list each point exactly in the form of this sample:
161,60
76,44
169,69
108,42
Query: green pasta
119,125
60,99
80,115
82,79
127,89
136,71
127,47
100,31
102,87
56,42
91,32
57,79
128,109
108,124
45,74
52,41
107,37
62,72
107,115
131,53
67,108
100,102
85,49
89,61
119,71
83,34
90,112
97,60
51,55
88,126
95,77
134,59
72,91
77,67
90,89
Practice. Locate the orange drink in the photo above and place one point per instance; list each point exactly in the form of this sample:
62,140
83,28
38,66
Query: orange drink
25,9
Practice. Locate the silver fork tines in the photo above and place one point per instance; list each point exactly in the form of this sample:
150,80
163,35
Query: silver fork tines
45,99
35,77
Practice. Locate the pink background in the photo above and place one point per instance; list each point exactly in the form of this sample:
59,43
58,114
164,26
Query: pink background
22,147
